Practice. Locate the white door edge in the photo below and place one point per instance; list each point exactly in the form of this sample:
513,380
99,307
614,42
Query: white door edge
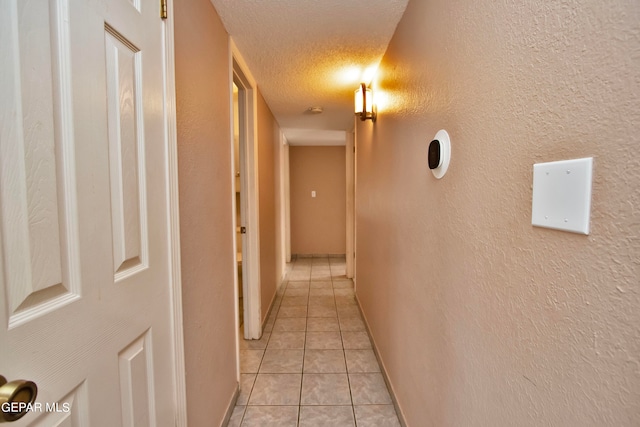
179,373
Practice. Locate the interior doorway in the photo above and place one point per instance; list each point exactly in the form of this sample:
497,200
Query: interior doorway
238,202
247,232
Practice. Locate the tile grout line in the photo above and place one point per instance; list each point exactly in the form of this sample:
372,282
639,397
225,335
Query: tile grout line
304,349
344,352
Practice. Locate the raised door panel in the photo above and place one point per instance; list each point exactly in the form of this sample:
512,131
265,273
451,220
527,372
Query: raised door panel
37,197
126,154
137,383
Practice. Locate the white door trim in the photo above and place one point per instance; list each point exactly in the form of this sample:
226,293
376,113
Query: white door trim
250,283
180,390
286,197
350,159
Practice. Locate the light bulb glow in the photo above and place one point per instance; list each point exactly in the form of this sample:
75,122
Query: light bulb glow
359,100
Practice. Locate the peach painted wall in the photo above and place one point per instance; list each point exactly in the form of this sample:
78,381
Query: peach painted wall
480,318
206,227
318,225
268,131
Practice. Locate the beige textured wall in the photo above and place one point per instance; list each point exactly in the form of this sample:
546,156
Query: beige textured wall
267,132
318,225
204,172
480,318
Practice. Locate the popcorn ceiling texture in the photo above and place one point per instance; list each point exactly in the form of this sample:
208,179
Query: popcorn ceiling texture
480,318
297,50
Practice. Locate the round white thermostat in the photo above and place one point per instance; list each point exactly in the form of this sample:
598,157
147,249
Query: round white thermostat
439,154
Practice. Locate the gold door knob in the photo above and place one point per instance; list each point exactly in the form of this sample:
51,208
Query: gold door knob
16,398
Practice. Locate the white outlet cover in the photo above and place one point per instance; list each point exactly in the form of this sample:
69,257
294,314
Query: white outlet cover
562,195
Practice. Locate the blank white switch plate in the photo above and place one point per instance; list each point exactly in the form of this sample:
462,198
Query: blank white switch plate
562,195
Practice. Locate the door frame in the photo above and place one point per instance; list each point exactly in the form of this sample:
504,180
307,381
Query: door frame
175,270
351,213
285,199
251,289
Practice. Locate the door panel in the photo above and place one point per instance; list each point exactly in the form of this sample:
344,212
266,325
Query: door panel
39,220
126,154
84,280
136,383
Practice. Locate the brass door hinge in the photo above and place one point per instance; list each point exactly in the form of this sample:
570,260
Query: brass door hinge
163,9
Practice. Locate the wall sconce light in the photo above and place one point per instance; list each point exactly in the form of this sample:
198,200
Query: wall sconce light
365,107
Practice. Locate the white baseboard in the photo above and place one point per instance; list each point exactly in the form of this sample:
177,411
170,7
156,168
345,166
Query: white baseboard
383,368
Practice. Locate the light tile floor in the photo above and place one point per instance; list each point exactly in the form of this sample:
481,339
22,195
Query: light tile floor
314,365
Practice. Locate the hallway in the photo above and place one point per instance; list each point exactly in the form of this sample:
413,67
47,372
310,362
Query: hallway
314,365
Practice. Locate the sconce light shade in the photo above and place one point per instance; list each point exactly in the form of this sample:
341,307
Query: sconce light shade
364,106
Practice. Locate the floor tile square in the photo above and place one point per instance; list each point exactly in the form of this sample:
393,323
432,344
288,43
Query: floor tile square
325,389
321,284
322,301
282,362
369,389
324,362
293,311
353,340
270,416
320,274
276,389
350,323
376,416
322,311
286,340
296,292
321,292
290,324
323,324
296,275
324,416
361,361
250,361
301,284
346,310
294,301
323,341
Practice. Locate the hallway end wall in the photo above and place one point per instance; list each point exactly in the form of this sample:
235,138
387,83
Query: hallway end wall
206,222
480,318
318,224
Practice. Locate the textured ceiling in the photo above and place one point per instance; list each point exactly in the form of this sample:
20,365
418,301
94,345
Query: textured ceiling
307,53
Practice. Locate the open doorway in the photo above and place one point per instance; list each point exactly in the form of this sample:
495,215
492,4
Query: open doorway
238,202
245,198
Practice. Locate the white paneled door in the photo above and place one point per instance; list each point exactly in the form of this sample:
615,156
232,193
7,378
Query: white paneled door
85,289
